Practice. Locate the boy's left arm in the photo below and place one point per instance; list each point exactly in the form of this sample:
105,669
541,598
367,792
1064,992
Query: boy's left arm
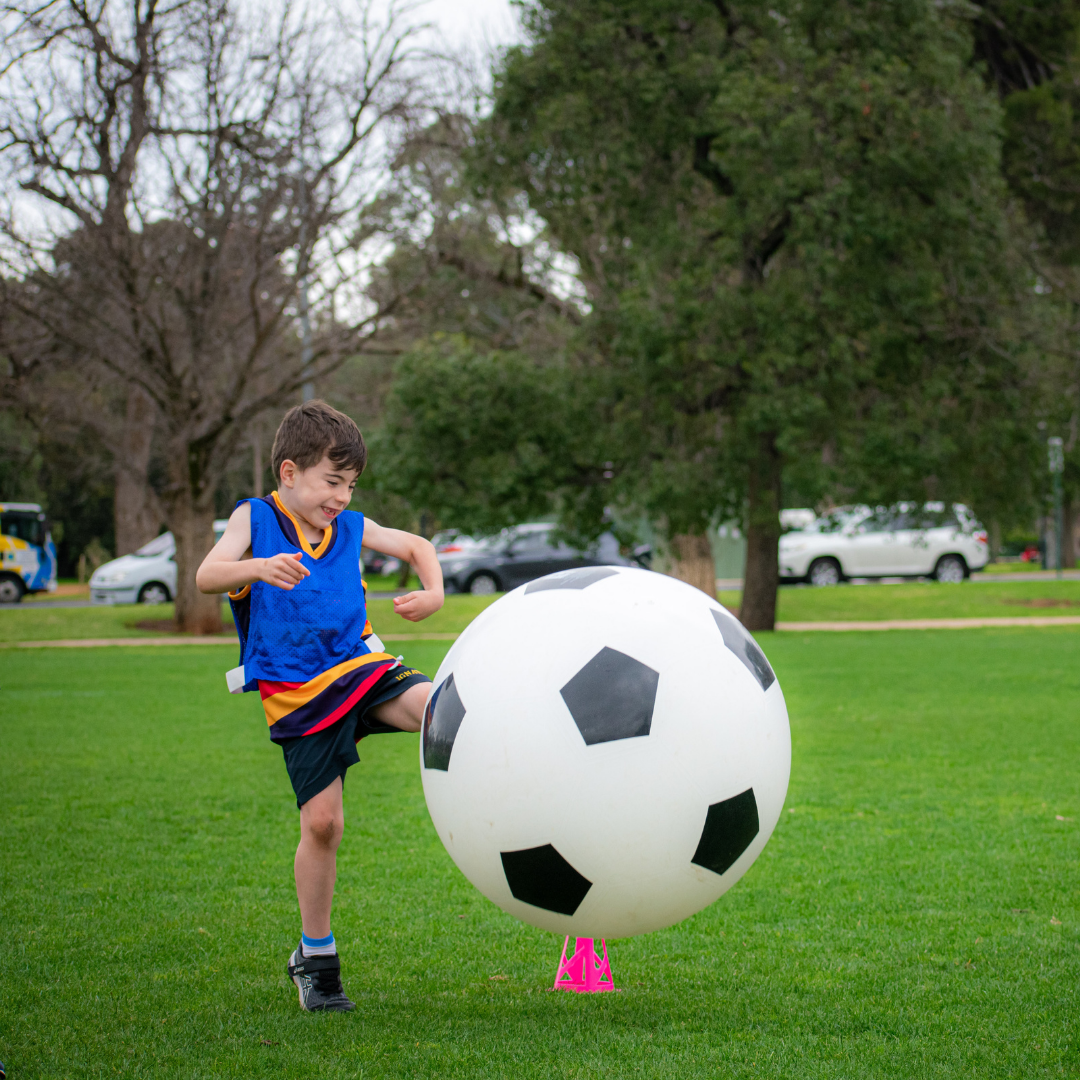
420,554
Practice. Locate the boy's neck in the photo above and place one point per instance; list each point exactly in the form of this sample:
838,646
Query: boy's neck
314,535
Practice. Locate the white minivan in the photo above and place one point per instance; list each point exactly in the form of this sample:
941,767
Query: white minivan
146,577
903,540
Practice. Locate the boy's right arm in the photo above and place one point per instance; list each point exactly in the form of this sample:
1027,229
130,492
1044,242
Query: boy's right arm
229,565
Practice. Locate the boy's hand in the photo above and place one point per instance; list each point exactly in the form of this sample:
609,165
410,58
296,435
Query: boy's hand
415,606
284,571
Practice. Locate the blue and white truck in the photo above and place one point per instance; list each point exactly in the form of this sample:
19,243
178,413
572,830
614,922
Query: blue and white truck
27,552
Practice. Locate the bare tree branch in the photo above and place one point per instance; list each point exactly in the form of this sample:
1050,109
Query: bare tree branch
205,168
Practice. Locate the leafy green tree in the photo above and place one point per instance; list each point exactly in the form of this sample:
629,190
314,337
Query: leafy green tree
478,439
784,216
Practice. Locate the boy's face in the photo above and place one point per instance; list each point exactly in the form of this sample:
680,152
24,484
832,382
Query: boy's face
320,493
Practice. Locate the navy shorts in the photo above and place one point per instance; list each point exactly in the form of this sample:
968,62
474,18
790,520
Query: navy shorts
315,761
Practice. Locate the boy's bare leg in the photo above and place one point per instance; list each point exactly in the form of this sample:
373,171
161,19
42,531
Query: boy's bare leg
406,711
322,821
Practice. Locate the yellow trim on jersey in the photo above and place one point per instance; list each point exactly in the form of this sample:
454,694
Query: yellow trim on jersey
304,542
287,701
241,594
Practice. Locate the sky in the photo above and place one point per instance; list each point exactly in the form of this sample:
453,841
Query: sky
475,24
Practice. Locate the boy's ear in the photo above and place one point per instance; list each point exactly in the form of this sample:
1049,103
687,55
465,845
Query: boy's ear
288,473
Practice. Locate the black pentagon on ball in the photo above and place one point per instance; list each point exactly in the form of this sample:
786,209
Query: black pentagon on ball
542,877
730,827
442,718
612,697
580,578
745,648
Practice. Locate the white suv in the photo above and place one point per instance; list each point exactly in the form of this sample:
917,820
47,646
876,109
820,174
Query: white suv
905,540
146,577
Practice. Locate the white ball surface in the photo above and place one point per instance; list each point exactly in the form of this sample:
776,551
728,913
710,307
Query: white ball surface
605,752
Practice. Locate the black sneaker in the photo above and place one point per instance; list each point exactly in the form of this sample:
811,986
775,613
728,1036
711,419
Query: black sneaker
318,978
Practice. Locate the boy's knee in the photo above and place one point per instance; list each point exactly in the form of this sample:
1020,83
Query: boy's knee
325,828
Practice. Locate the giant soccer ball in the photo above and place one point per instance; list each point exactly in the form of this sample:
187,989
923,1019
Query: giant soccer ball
605,752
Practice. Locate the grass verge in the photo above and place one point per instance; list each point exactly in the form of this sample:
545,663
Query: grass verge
845,602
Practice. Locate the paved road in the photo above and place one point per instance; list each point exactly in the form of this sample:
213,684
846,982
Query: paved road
30,605
937,624
1031,575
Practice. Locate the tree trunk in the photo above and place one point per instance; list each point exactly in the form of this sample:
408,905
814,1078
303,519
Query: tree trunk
193,527
762,574
692,562
136,509
995,539
256,462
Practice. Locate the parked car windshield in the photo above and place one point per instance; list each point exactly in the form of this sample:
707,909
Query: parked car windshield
26,526
496,542
531,542
519,538
160,545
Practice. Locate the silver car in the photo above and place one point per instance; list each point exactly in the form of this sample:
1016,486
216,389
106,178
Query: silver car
904,540
146,577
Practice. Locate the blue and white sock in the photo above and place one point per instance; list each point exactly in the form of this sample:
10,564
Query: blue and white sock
318,946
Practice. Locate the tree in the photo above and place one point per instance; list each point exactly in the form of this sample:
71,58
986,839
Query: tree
1032,56
72,403
475,438
191,177
464,264
783,215
464,407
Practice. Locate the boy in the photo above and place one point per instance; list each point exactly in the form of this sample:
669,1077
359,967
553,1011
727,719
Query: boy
291,566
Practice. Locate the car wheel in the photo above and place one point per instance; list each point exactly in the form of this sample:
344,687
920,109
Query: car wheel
824,572
11,589
950,569
153,592
483,585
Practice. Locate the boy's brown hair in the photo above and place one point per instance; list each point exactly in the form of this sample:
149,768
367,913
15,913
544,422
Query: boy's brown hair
308,432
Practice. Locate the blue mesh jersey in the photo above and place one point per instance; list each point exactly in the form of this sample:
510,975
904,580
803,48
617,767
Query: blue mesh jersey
304,648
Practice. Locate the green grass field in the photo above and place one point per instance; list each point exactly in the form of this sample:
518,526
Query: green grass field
916,913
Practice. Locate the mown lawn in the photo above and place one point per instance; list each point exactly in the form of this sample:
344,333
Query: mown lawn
41,623
915,915
927,600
